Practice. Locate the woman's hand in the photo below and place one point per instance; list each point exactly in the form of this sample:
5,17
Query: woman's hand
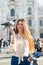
29,59
11,29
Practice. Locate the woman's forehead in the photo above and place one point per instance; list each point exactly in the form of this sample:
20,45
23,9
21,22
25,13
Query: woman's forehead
20,22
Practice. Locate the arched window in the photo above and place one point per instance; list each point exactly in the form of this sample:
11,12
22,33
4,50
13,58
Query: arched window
12,12
29,11
12,0
41,35
41,23
30,22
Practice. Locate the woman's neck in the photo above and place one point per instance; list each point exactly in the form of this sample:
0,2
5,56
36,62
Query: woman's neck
20,33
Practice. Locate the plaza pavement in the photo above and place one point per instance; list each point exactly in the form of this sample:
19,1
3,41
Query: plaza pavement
7,61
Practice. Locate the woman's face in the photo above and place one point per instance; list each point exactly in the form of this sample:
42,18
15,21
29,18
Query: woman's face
20,26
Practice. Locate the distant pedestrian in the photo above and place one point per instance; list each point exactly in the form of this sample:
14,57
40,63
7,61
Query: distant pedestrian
39,48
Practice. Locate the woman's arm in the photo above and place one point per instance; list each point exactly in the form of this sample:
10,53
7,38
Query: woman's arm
13,42
12,38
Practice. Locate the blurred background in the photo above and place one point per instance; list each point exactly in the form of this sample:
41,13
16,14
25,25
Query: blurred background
10,11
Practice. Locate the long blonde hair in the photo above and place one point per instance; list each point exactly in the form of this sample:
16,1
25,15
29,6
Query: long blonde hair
27,34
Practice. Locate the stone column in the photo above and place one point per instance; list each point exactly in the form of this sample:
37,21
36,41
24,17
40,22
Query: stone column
36,22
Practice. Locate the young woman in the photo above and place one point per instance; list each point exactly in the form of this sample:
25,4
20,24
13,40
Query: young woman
22,42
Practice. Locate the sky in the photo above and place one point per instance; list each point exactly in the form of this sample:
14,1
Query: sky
40,2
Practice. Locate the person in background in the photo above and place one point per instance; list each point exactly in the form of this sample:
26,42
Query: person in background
1,44
38,43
